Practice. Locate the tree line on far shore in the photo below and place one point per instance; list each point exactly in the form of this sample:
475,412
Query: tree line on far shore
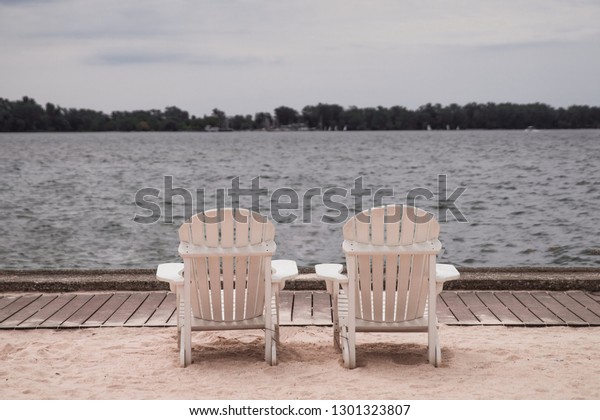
27,115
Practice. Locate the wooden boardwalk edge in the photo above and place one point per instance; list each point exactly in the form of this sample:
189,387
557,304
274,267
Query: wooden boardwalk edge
297,308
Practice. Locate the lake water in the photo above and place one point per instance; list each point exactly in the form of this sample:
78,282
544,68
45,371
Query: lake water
68,200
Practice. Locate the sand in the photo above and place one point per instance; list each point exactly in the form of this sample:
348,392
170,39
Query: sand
142,363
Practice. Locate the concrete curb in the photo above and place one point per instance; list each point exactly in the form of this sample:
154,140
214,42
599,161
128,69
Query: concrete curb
472,278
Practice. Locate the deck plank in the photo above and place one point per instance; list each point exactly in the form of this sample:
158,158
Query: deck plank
146,310
302,308
458,308
321,309
60,316
28,311
443,313
558,309
7,300
483,314
47,311
88,309
172,322
543,313
585,300
286,301
498,309
577,308
128,308
114,302
17,305
163,313
518,309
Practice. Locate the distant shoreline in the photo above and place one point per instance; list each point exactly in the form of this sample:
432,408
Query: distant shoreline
292,131
26,115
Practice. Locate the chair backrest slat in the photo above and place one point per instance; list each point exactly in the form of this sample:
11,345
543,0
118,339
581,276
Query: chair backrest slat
349,229
252,298
201,292
391,284
377,226
364,286
392,225
377,238
241,286
214,283
228,289
211,228
418,282
377,270
403,283
242,223
196,227
227,230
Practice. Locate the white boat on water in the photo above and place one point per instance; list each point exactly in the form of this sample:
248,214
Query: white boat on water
531,129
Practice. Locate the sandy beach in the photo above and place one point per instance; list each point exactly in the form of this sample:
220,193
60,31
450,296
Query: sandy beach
142,363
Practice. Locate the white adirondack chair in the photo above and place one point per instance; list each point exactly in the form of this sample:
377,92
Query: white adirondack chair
390,256
227,280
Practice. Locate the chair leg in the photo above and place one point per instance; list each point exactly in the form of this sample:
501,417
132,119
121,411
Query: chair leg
185,348
352,349
179,314
434,354
184,321
272,332
276,310
348,347
336,324
337,344
181,348
345,348
269,346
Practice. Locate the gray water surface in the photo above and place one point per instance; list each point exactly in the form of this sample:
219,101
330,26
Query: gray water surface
68,200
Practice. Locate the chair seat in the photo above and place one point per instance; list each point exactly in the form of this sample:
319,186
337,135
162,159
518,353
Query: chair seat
199,324
414,325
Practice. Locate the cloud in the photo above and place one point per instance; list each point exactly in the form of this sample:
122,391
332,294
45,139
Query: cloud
150,57
121,59
17,3
295,52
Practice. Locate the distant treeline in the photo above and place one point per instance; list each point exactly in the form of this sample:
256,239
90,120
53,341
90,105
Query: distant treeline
27,115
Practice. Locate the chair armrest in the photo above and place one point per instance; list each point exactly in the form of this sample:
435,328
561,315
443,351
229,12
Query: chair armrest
443,273
331,273
282,270
446,272
172,273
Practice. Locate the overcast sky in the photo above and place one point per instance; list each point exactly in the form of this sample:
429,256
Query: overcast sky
247,56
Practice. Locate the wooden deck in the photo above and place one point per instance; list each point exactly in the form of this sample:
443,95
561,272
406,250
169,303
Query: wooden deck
157,309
